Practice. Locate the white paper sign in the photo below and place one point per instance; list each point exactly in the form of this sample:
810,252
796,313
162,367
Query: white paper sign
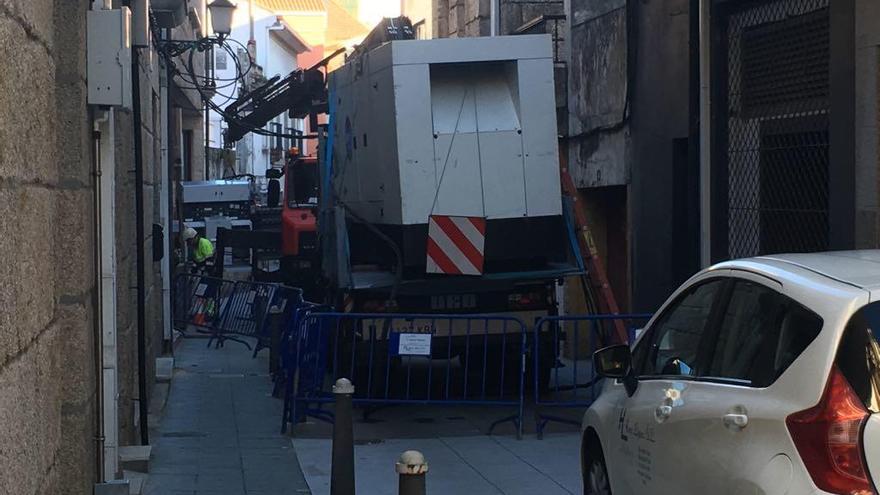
414,344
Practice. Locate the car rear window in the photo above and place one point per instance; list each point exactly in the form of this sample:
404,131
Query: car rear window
858,356
762,332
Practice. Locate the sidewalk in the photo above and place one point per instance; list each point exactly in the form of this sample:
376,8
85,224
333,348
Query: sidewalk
219,435
219,432
473,465
461,457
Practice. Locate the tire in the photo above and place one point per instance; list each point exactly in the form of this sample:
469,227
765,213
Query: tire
595,472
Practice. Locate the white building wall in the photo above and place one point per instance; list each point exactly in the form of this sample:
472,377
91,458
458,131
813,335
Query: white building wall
276,58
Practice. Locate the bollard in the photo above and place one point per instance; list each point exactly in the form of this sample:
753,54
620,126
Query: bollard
412,468
342,467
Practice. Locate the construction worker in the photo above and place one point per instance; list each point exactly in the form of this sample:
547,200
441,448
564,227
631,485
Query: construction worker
202,249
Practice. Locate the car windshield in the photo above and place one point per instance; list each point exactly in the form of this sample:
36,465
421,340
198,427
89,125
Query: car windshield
859,355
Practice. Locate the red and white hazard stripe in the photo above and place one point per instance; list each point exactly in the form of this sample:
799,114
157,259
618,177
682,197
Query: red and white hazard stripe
456,245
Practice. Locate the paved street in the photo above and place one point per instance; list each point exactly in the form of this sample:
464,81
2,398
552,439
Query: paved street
476,465
219,434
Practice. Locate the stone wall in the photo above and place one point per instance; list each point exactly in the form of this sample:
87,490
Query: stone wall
598,84
47,294
470,18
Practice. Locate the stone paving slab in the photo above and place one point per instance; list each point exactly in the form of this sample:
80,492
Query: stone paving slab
219,433
475,465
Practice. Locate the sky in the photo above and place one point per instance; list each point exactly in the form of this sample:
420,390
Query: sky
372,11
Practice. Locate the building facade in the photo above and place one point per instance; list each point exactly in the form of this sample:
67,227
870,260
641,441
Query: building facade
792,164
81,320
276,49
794,145
47,354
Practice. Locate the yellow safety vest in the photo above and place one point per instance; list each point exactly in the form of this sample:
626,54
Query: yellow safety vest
203,251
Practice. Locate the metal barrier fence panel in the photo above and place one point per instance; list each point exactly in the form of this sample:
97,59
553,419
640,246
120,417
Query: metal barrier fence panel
246,308
290,338
200,303
411,359
226,310
284,300
563,360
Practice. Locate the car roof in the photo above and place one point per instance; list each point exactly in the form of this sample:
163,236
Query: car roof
856,268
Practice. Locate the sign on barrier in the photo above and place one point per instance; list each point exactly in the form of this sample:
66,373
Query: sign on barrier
410,359
563,360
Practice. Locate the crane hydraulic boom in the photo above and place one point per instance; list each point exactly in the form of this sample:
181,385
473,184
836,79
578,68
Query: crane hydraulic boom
303,93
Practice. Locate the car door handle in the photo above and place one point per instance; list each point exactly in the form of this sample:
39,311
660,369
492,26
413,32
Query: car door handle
662,413
736,421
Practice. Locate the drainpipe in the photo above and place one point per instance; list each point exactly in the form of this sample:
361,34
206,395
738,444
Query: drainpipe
96,299
164,209
705,133
494,8
209,79
140,237
106,196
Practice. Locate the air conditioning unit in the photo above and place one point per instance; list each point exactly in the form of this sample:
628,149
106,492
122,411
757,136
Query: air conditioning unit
169,13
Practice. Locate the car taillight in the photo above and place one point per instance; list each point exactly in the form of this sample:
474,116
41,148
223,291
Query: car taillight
828,437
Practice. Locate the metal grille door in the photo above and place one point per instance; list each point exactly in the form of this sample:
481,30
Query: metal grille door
776,125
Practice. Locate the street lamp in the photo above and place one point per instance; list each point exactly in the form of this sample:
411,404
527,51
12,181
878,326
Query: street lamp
221,16
221,12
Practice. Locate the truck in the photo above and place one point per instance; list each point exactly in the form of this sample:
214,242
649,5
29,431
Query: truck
436,189
426,134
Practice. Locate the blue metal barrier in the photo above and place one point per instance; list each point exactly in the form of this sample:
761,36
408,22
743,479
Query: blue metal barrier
288,376
563,348
396,359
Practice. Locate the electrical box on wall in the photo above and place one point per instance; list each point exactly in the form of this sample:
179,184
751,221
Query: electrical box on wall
109,57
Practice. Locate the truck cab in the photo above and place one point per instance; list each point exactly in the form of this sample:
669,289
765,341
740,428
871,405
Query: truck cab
299,230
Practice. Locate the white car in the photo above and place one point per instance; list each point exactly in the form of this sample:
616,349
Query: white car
758,376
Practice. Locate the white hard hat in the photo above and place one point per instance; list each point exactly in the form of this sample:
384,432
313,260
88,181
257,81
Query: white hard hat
188,233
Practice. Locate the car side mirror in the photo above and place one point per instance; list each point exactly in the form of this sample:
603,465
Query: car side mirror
616,362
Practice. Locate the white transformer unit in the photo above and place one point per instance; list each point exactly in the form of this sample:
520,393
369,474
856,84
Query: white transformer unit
458,127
